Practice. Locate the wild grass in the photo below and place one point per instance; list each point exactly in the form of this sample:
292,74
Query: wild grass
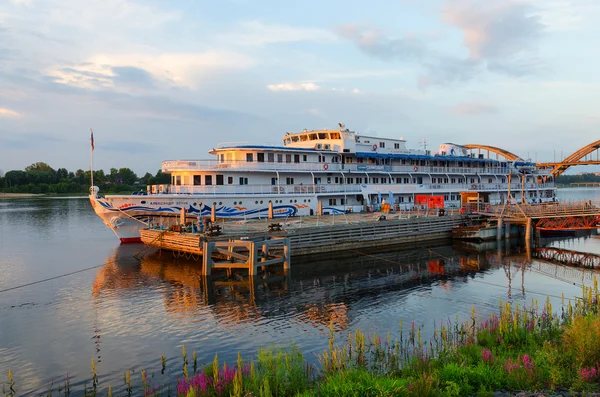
519,348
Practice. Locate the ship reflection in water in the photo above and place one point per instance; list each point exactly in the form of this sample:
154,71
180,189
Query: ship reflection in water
315,292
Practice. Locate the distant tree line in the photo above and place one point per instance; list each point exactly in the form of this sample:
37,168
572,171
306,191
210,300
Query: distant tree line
42,178
568,179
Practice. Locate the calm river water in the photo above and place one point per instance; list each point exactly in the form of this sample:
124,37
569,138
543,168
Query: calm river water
125,313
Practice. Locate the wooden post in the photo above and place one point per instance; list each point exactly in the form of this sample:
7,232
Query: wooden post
213,213
252,259
507,231
528,228
499,230
182,216
206,258
320,208
270,209
286,255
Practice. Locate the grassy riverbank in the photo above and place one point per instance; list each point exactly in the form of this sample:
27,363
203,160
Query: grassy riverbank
519,348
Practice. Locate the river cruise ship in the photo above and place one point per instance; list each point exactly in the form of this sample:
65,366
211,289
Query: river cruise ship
333,171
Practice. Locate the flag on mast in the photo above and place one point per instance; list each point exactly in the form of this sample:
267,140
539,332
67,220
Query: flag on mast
92,139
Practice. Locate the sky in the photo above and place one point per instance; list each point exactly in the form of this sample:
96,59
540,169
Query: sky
159,79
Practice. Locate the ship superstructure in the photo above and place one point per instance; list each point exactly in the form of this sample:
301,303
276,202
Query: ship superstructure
344,170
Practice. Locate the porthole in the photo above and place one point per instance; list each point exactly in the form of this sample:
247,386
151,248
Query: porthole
195,204
143,201
295,201
291,201
240,203
305,200
214,203
261,201
271,201
256,202
309,200
235,203
220,202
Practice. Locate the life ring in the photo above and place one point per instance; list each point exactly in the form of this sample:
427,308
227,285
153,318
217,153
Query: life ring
375,147
474,186
325,166
416,168
488,208
463,210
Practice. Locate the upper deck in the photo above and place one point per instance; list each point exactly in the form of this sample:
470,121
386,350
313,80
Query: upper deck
342,151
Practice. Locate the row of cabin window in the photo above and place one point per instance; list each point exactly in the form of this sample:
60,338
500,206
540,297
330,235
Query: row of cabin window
219,180
400,200
289,158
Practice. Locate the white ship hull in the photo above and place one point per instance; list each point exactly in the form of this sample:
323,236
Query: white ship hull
127,215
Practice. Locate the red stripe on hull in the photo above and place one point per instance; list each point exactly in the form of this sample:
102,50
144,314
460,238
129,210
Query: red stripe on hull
130,240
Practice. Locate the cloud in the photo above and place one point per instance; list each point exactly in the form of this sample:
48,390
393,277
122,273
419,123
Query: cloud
28,140
132,76
498,34
171,69
4,112
494,28
473,108
294,87
257,33
568,15
374,43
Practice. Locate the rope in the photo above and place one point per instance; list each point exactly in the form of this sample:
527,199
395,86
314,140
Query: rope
55,277
147,246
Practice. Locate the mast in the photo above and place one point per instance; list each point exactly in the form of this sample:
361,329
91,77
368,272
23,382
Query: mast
91,160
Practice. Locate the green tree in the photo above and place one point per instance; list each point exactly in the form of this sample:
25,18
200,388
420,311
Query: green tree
161,178
128,177
40,166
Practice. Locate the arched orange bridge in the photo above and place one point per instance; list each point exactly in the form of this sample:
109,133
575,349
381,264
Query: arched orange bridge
504,153
583,156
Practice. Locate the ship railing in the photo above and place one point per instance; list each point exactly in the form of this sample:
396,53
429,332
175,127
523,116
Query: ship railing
257,189
337,188
329,167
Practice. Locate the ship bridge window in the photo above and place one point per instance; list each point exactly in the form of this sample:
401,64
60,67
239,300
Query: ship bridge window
296,158
271,157
288,158
208,179
249,157
260,157
322,135
382,145
230,180
280,158
303,138
287,141
396,146
197,180
219,179
295,138
178,180
313,137
335,135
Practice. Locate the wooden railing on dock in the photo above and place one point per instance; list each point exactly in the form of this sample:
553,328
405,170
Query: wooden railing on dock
245,254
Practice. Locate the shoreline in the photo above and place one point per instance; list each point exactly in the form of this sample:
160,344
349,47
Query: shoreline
19,195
